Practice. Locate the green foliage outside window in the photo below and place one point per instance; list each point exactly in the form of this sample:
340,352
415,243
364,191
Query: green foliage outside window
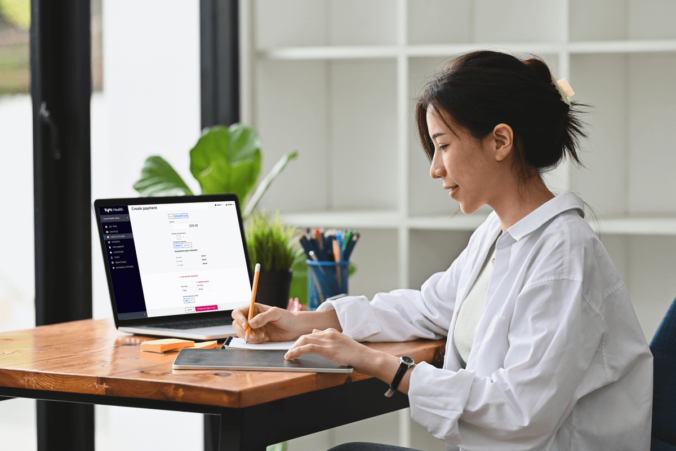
14,47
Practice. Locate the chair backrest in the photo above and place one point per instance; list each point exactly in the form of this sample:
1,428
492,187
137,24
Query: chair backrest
663,348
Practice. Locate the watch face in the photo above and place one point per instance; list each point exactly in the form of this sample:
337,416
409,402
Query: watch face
407,360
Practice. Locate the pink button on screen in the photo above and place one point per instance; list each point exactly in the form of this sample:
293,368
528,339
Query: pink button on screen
204,308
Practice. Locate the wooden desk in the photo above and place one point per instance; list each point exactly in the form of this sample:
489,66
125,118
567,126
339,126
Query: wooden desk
91,362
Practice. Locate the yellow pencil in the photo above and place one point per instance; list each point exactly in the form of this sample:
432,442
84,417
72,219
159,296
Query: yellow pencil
253,300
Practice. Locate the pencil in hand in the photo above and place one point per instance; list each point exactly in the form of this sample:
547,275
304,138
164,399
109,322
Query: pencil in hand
253,300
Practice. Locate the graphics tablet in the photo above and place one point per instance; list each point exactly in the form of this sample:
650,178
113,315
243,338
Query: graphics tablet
253,360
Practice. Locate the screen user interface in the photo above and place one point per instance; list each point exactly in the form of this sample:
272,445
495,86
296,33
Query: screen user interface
172,259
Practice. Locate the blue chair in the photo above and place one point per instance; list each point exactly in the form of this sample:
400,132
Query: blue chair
663,348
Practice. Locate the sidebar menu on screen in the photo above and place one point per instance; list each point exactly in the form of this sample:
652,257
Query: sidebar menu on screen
123,263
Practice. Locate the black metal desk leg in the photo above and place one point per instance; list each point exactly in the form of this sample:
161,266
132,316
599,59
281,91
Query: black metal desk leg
212,428
65,425
232,432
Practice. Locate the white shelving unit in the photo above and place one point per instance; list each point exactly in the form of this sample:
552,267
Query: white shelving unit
337,80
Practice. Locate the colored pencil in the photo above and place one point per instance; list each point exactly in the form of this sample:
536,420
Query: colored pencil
336,257
319,288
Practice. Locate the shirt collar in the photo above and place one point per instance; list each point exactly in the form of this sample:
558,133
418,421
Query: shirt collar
545,212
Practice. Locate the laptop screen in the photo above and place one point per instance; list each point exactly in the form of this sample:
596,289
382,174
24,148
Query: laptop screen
175,258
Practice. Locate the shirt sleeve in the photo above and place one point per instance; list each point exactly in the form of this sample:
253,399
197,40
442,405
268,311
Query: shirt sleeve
402,315
551,340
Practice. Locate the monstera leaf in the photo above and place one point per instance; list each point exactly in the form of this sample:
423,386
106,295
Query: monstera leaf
224,160
158,178
227,160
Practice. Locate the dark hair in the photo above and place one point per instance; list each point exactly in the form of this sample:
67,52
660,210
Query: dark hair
482,89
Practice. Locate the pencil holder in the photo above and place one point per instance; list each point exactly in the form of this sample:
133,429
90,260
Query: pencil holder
325,279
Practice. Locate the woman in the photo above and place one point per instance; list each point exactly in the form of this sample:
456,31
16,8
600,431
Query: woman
544,350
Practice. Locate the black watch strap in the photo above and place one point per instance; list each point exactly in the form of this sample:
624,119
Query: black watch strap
405,363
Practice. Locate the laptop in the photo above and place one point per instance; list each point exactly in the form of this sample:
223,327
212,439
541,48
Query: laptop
176,266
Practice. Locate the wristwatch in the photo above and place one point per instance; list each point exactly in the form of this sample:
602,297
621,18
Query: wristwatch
405,363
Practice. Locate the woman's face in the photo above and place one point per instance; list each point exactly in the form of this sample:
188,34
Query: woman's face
473,169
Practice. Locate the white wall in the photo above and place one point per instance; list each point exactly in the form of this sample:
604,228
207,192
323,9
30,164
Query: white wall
17,270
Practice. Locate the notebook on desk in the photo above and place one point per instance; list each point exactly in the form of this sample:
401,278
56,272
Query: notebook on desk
253,360
238,343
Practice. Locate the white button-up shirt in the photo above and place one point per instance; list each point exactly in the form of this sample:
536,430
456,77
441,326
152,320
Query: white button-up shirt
559,360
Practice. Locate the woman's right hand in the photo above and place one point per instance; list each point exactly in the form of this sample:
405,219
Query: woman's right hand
268,324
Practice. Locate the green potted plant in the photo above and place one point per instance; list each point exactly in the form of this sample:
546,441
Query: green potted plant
224,160
274,246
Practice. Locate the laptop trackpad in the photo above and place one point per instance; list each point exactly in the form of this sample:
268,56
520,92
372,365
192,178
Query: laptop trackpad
214,330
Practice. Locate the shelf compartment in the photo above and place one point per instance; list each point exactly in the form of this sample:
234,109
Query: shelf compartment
324,23
341,124
426,196
304,23
439,21
376,256
444,21
363,145
651,265
433,251
522,21
628,161
621,19
651,115
280,84
600,81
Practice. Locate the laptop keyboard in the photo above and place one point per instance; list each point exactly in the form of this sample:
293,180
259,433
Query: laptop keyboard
196,324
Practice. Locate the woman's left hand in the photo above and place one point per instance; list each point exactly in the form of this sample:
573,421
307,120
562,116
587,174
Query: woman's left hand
335,346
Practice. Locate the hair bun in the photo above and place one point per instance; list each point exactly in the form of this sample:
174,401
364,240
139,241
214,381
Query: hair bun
540,69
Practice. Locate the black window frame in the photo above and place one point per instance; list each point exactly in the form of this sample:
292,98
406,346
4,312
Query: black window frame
60,60
219,98
60,65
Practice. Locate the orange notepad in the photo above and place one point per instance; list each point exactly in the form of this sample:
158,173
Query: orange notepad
207,345
168,344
